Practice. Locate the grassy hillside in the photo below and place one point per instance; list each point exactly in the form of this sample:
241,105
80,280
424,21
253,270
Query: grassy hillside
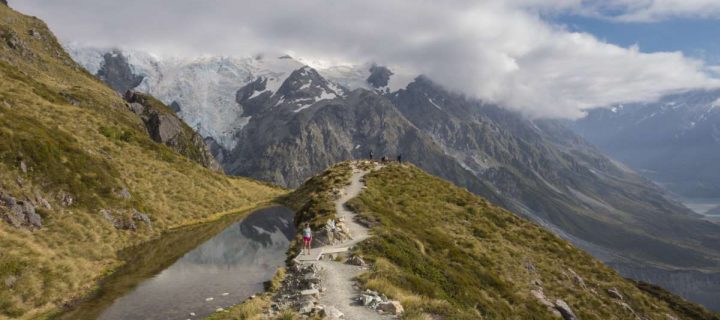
64,135
446,253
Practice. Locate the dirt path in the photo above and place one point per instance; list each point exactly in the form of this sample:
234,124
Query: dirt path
337,277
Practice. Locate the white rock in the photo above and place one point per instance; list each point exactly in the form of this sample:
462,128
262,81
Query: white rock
225,294
209,299
332,313
393,307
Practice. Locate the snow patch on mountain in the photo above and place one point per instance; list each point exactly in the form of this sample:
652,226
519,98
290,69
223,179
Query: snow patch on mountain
715,104
355,77
204,87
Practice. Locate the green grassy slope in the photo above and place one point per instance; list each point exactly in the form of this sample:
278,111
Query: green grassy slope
75,136
446,253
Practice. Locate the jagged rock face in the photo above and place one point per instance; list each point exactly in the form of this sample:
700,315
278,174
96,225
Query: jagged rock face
547,173
116,72
674,141
287,147
379,76
165,127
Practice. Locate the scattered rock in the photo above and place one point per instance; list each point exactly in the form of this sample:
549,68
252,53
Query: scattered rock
209,299
23,167
392,307
35,34
19,213
226,294
10,281
8,200
124,193
615,293
332,313
565,310
31,216
530,267
139,216
540,296
310,292
306,307
66,199
357,261
577,279
42,202
192,314
219,309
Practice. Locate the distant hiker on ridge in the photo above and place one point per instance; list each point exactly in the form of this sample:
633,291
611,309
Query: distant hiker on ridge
399,158
307,238
371,155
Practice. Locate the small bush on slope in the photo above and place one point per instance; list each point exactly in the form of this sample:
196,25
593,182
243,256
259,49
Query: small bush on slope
77,137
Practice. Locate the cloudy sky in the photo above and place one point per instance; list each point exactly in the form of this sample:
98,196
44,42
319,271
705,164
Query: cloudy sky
542,57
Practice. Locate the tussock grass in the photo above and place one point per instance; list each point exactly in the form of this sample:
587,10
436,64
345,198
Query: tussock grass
448,254
77,137
444,252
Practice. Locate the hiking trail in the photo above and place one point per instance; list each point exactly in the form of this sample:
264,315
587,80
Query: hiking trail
338,277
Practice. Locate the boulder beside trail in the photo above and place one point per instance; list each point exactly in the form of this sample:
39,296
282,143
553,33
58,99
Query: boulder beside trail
356,261
393,307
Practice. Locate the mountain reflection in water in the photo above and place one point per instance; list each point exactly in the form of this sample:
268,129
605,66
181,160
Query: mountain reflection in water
221,272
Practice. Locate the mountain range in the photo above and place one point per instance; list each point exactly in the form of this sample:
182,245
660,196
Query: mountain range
674,141
275,119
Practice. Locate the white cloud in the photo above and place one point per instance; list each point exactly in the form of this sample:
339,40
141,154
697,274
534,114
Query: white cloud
649,10
497,50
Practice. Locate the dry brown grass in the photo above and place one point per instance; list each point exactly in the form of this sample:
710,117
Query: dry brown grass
57,118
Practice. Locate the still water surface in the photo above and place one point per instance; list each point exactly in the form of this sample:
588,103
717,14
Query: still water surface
223,270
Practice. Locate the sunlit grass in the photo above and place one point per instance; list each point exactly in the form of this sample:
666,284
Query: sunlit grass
77,137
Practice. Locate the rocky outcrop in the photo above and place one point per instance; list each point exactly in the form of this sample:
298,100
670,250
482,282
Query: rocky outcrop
165,127
126,219
379,76
3,2
116,72
19,213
